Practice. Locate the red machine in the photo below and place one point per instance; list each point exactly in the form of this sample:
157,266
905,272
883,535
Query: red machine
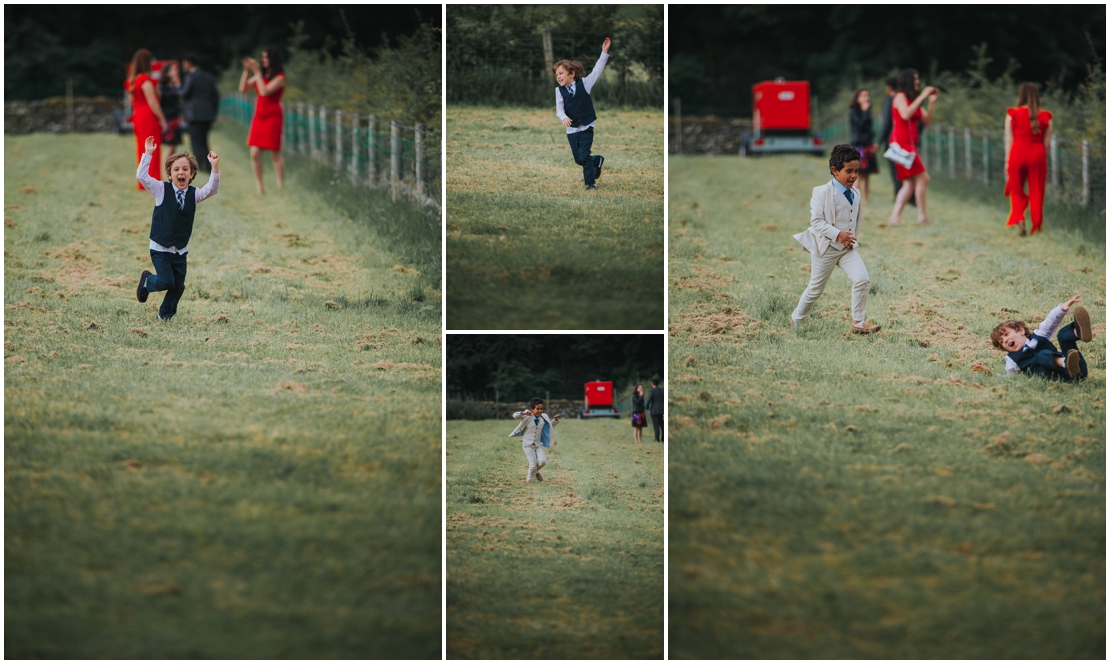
781,120
599,400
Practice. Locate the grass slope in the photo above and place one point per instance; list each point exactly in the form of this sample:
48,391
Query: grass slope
567,568
257,477
528,247
837,496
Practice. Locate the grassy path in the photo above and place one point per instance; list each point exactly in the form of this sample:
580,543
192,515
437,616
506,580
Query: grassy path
257,477
528,247
834,496
567,568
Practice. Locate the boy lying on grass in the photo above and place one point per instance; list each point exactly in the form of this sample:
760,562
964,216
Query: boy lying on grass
175,205
1033,353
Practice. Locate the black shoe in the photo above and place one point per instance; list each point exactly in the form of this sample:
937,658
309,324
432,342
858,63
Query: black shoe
600,163
1083,321
141,292
591,186
1071,362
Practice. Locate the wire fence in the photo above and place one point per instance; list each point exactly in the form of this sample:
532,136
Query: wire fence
1076,169
518,69
370,151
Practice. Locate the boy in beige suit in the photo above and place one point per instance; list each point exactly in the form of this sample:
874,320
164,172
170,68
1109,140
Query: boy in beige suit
831,239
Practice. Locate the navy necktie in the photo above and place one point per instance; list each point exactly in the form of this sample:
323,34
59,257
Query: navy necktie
180,199
535,420
570,89
848,193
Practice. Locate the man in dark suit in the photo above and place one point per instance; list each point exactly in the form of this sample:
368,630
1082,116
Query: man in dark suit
655,404
202,104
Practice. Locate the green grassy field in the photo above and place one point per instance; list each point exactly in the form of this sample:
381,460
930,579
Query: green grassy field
257,478
567,568
837,496
528,247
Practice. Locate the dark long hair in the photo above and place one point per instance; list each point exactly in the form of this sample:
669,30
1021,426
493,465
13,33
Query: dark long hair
905,84
140,64
275,67
1029,97
855,99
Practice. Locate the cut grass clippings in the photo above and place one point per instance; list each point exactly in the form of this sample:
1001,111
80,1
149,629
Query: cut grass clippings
528,247
838,496
257,478
567,568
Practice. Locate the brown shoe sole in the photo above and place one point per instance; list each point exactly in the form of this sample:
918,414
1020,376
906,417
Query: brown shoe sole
1083,319
1072,362
866,330
539,477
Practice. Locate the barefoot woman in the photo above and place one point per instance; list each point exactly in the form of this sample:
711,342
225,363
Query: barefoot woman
268,80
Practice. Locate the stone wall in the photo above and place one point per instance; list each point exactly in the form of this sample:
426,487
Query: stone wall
709,134
90,114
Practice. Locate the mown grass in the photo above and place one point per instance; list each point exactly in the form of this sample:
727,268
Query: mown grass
837,496
256,478
567,568
528,247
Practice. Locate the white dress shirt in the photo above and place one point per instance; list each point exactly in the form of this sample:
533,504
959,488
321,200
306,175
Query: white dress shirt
157,189
588,82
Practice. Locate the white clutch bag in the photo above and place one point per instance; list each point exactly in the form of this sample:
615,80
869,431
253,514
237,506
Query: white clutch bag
900,156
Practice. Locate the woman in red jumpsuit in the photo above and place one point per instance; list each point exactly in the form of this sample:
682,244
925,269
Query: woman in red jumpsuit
268,80
146,113
1028,131
906,115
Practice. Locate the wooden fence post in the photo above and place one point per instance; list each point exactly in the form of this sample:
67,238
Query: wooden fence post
372,151
952,153
986,158
69,105
967,152
339,141
394,156
1054,156
420,158
324,147
1086,177
311,117
356,149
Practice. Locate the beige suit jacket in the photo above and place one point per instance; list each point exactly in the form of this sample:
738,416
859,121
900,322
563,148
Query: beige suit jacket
824,226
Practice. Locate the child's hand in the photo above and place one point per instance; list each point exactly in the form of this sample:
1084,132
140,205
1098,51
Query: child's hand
214,159
567,122
847,239
526,412
1067,305
150,146
605,45
556,418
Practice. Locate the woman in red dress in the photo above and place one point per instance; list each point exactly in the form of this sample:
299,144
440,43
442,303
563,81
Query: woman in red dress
906,115
1028,131
268,80
146,113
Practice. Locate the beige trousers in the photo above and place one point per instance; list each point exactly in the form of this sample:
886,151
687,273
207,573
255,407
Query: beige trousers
536,459
822,268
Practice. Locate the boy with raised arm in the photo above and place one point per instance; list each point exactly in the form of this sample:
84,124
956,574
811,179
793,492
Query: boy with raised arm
575,108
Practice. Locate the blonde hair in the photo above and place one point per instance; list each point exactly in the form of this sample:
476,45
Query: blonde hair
193,165
1029,96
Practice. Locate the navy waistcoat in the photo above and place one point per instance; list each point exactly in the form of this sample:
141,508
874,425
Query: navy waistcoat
171,226
1026,356
579,107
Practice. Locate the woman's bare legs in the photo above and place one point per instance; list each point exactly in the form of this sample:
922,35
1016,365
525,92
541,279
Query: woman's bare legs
863,187
637,433
279,167
256,164
921,184
900,201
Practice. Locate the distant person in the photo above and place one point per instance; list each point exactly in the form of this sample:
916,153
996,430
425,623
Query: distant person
575,108
904,141
832,237
170,92
884,136
1028,132
202,104
147,118
655,403
1032,353
535,431
639,416
863,137
268,80
171,225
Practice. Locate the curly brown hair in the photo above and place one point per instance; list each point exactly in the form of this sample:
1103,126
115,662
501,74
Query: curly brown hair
572,66
193,165
1012,324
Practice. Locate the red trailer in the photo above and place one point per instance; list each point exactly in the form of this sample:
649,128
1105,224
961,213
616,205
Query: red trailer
781,120
599,400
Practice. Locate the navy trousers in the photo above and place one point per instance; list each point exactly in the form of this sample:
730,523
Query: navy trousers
580,145
1045,361
170,271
